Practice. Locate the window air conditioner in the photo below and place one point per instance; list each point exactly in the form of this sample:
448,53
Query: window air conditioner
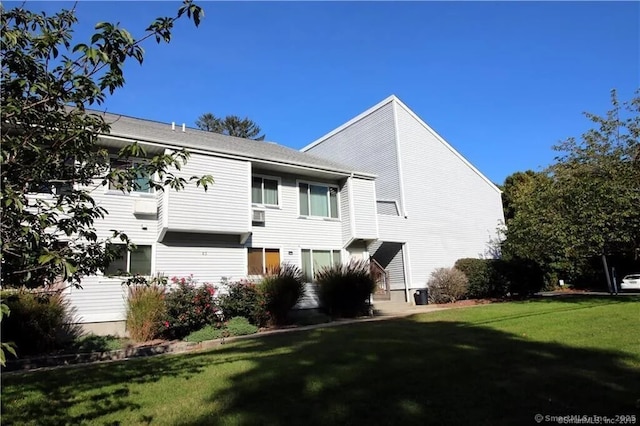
258,216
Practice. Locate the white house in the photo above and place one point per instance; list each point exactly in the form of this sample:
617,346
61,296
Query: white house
269,204
433,207
383,185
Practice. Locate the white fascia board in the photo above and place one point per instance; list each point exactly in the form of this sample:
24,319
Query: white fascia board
349,123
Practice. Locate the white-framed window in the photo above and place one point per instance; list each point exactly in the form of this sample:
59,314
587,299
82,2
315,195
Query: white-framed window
319,200
261,260
142,180
131,262
265,190
313,260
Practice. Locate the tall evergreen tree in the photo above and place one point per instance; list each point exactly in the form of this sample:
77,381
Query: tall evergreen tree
231,125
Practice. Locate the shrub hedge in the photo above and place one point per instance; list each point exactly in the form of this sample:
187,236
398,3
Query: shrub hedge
243,299
499,277
447,285
146,309
281,288
189,307
40,322
344,289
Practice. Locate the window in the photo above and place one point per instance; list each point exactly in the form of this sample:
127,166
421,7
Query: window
314,260
141,183
136,262
264,191
261,260
318,200
51,188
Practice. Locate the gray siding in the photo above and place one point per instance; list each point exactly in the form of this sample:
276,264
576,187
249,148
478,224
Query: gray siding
100,299
284,229
208,257
364,208
347,230
388,208
120,208
224,208
368,145
452,210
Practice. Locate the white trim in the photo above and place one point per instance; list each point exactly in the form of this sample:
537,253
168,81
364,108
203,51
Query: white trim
375,206
315,183
172,145
403,199
407,271
278,179
352,212
250,206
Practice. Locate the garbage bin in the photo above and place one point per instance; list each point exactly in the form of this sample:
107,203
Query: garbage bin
421,296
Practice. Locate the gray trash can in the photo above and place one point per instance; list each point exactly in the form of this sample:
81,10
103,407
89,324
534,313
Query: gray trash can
421,296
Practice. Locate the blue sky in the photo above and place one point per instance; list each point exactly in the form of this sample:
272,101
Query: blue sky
500,81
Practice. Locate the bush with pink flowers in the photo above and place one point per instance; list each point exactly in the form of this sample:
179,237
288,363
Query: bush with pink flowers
189,307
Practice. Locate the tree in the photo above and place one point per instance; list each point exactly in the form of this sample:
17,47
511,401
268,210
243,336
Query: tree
597,182
231,125
49,142
587,203
210,123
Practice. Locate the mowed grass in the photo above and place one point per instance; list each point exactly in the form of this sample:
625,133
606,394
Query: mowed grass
495,364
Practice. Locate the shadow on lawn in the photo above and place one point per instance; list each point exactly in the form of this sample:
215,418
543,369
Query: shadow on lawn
392,372
110,381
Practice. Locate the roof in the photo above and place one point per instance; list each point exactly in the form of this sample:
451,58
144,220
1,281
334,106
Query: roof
260,151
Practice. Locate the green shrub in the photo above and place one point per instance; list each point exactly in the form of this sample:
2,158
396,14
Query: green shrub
243,300
189,307
486,278
146,310
344,289
282,288
447,285
208,332
523,276
39,322
240,326
497,277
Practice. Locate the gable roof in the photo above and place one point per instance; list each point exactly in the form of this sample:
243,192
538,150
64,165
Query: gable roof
397,101
259,151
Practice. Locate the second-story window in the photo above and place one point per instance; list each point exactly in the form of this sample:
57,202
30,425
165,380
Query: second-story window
264,191
140,183
318,200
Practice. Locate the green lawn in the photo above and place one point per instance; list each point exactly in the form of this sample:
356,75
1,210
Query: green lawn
495,364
